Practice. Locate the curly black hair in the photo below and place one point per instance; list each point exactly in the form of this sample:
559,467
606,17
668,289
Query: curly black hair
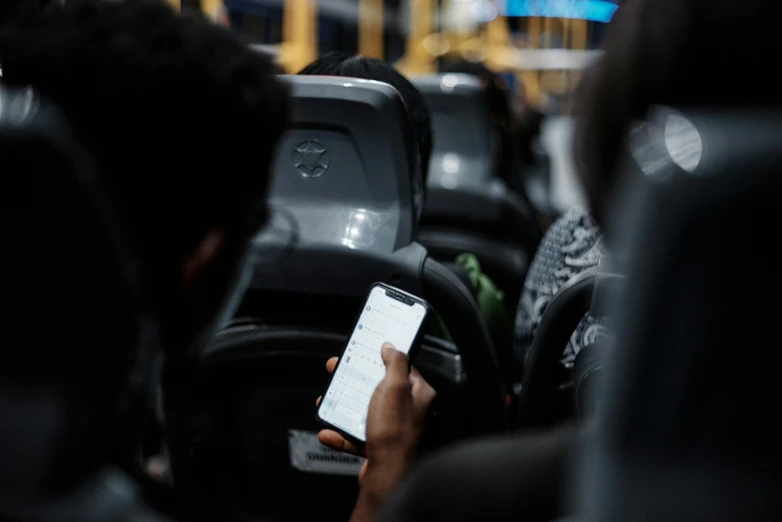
181,116
339,63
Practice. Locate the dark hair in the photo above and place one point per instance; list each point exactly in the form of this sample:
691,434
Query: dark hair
339,63
668,52
181,116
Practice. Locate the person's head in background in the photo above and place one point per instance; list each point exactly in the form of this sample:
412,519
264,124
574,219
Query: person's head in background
344,64
675,53
181,119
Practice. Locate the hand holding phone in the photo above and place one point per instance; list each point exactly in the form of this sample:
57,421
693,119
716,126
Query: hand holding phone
396,419
389,316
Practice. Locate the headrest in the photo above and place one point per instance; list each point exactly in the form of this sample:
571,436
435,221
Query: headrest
689,429
344,169
462,127
344,179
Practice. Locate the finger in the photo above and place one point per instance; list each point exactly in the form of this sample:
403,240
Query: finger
317,401
335,441
415,375
331,364
397,364
420,385
362,472
422,392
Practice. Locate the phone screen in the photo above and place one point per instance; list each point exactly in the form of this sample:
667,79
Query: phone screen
383,319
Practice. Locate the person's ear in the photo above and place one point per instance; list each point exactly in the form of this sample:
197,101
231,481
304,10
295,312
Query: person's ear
205,253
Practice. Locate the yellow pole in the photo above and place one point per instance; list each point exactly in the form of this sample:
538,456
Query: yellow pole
531,79
210,6
417,60
175,4
450,37
299,34
446,39
578,34
547,28
370,28
497,44
578,41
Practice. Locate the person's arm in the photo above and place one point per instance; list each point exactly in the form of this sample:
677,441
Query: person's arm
376,486
397,414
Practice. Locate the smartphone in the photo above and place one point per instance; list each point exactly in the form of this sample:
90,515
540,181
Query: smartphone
389,315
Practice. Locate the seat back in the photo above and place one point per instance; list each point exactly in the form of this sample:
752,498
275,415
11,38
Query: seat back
504,263
468,207
688,423
463,189
462,130
588,367
541,402
244,422
494,478
72,293
340,183
536,179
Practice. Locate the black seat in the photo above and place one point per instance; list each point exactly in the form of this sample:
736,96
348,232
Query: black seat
541,400
588,368
462,127
549,392
65,256
495,479
469,208
536,179
530,169
690,429
343,218
459,272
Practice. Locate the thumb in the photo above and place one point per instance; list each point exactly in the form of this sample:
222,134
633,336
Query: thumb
397,363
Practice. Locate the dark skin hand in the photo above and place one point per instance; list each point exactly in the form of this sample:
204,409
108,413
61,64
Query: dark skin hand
397,414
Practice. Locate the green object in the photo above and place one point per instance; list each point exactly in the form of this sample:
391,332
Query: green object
488,297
